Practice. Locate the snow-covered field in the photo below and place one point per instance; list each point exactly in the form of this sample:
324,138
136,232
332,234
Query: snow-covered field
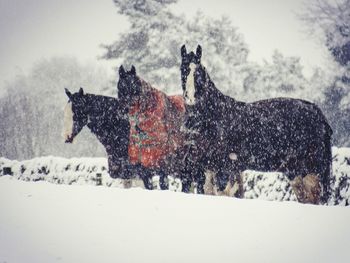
45,222
51,210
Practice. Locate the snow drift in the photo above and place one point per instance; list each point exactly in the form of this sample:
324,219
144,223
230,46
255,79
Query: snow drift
43,222
257,185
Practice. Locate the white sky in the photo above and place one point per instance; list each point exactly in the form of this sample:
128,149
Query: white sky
35,29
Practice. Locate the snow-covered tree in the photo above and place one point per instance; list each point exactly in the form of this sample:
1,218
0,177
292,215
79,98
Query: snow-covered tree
153,41
337,108
282,77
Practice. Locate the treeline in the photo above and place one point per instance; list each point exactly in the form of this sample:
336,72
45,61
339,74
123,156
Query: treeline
31,111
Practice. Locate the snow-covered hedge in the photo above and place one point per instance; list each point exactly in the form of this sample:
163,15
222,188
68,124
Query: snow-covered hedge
341,176
58,170
94,171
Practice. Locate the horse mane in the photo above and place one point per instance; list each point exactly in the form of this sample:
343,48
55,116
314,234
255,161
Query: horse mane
148,88
150,97
91,97
175,102
101,102
217,94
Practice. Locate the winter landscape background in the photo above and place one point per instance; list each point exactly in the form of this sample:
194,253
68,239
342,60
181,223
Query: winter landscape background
149,35
252,49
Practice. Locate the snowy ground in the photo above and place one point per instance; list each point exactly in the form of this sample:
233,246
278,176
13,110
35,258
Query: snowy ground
45,222
51,210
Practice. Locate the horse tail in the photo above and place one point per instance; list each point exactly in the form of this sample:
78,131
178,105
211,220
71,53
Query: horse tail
326,163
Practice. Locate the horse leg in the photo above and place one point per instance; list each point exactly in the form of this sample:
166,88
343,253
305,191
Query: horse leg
209,185
313,175
312,188
319,163
163,180
147,181
146,176
304,183
113,168
186,176
222,180
230,183
307,189
237,185
199,178
186,181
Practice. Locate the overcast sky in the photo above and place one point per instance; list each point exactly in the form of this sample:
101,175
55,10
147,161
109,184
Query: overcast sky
35,29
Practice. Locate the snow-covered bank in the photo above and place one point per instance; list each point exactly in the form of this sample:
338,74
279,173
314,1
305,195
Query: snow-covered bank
43,222
266,186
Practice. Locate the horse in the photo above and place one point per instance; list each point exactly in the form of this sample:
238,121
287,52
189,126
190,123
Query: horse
108,120
286,135
156,140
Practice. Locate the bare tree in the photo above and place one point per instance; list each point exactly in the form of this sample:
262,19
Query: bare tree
330,22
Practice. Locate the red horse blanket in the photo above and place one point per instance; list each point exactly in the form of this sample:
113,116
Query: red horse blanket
155,121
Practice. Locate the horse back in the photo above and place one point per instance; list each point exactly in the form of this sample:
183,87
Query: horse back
178,102
155,127
271,132
293,112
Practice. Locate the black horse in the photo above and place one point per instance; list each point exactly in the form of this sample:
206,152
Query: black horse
108,120
228,136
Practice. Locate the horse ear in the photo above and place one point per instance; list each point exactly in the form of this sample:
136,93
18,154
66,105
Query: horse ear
81,91
69,94
199,53
183,51
133,70
121,71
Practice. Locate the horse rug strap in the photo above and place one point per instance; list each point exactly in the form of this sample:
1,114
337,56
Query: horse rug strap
148,142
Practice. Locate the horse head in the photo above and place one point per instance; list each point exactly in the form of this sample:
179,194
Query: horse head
193,76
75,114
129,86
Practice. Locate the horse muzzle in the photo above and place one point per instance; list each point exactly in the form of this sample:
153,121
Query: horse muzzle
69,139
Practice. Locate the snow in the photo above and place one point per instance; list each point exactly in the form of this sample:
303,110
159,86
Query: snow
56,210
44,222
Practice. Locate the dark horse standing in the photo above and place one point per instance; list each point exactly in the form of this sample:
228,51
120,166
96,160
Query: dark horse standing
155,119
228,136
108,120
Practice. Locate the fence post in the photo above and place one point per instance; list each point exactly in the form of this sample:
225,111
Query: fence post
98,179
7,171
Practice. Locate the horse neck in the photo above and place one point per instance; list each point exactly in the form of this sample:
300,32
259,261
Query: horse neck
216,95
101,120
149,95
148,89
213,94
219,102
